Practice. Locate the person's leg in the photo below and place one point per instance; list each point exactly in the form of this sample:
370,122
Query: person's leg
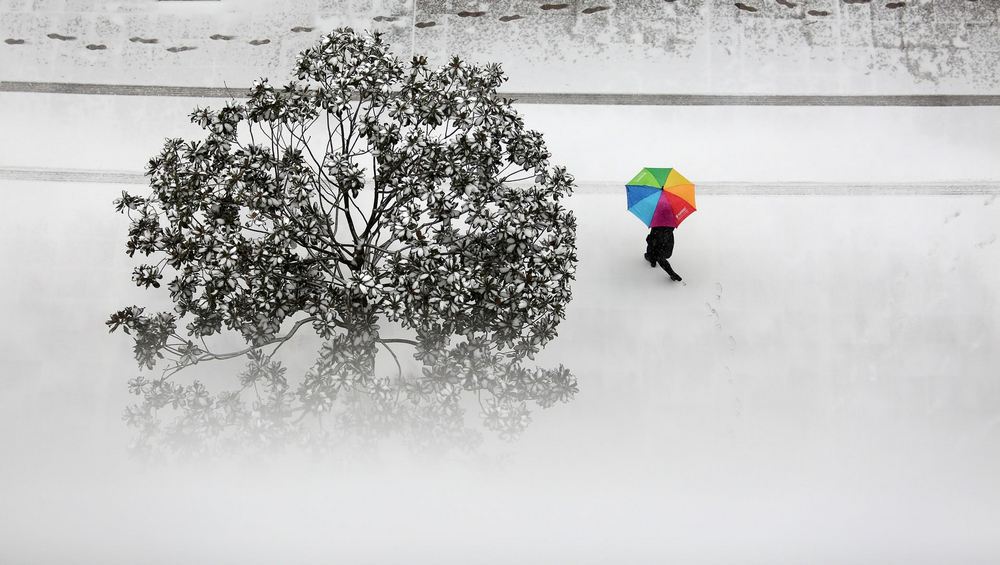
650,255
668,244
665,265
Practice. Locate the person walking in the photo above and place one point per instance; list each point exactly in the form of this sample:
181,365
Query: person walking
662,198
659,248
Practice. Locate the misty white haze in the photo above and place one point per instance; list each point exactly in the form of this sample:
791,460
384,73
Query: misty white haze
822,387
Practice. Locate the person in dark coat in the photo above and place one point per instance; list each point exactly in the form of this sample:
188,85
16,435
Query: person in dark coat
659,248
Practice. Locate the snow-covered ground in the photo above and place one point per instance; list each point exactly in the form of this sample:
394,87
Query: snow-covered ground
821,388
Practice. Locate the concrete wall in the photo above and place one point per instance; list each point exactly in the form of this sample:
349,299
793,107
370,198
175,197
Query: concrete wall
682,46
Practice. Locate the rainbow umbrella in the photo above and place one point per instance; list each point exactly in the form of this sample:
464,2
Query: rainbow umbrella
660,197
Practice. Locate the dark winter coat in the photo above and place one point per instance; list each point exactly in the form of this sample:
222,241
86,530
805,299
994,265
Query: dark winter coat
660,242
659,248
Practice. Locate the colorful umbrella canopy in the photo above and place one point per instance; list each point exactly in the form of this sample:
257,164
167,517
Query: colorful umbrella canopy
660,197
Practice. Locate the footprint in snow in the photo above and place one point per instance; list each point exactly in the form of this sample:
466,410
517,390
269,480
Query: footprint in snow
715,314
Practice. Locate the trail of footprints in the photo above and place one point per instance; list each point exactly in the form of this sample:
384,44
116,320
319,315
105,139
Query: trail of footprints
713,311
546,7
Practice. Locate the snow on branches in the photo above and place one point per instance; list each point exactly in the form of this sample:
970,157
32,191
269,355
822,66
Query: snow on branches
365,190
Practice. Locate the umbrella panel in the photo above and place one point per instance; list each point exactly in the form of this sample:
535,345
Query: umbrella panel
645,208
661,175
674,179
647,178
684,191
637,193
664,215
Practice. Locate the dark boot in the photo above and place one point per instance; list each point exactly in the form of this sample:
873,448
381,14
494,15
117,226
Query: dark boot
670,271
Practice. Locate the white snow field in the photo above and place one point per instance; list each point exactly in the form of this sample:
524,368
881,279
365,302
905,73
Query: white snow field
823,387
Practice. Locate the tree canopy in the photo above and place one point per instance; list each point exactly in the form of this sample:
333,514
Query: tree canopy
387,207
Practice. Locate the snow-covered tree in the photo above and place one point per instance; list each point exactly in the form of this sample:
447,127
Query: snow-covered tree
364,195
